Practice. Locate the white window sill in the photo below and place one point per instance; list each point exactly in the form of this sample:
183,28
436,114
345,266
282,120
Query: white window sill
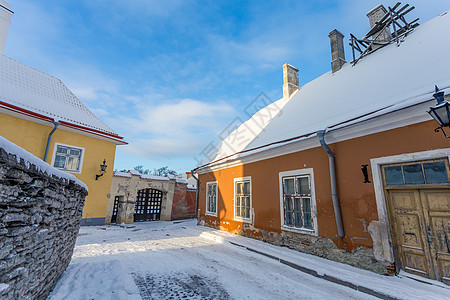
211,214
243,220
299,230
68,171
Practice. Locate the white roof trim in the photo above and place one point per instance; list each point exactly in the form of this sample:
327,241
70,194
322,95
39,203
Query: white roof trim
407,116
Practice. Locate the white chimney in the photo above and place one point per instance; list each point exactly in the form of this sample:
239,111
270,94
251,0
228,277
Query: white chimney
5,20
290,80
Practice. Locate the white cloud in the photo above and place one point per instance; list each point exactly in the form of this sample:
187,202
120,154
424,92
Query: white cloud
164,148
178,128
182,115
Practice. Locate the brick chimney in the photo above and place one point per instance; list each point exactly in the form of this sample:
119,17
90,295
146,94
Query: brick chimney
337,50
290,80
5,20
374,16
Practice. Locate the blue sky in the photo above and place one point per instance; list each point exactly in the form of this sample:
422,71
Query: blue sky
170,75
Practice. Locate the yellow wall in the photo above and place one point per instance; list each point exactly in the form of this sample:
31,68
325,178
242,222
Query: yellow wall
33,137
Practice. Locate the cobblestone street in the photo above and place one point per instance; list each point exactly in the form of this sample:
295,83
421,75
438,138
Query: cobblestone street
179,260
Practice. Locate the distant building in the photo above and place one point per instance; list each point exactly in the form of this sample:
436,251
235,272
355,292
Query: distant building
192,182
40,114
347,166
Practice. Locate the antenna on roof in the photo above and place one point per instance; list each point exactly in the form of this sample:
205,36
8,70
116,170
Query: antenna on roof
381,30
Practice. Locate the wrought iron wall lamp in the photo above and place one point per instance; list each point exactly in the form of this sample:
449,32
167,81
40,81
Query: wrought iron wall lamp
441,111
102,170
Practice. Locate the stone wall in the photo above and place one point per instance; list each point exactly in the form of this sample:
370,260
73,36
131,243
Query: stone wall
126,185
40,217
178,201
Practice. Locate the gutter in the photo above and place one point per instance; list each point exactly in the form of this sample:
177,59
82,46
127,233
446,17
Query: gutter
334,196
196,192
56,123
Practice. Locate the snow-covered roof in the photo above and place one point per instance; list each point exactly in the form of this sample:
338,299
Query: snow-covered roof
392,78
239,139
37,92
181,180
154,177
30,159
121,174
192,183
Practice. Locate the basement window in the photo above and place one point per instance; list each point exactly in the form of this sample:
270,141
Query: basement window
68,158
297,201
242,199
211,198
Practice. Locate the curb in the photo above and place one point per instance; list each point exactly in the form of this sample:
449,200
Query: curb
314,273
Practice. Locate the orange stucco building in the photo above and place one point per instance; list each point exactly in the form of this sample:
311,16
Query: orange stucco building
348,166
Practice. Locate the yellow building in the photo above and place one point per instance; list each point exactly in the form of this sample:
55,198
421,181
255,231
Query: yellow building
40,114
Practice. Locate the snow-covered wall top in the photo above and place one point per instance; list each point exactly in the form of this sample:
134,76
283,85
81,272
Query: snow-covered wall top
121,174
154,177
392,78
30,159
145,176
134,172
36,91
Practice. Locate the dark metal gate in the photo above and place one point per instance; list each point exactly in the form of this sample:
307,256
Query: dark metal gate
148,205
115,208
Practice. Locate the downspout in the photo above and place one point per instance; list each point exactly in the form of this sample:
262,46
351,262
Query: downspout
334,196
56,123
196,193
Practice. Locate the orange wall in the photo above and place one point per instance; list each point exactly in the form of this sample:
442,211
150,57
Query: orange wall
357,199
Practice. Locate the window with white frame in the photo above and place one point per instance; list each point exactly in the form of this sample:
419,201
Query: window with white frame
68,158
297,200
242,198
211,198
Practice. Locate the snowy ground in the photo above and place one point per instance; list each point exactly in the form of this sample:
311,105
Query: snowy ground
179,260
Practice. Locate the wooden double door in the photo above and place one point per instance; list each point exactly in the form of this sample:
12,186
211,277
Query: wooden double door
148,205
418,202
420,228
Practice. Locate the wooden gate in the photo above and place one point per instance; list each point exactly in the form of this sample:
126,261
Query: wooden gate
148,205
419,217
115,209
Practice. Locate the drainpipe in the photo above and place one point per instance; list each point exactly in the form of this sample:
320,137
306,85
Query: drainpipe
56,123
334,196
196,192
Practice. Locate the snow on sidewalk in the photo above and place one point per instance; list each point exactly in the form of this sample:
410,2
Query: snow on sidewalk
176,260
400,287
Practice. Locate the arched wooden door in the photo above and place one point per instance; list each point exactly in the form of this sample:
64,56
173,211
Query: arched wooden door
148,205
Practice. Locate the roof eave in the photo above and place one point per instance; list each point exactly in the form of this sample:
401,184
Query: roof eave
33,115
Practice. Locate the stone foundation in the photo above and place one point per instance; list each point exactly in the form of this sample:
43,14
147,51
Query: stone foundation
39,221
361,257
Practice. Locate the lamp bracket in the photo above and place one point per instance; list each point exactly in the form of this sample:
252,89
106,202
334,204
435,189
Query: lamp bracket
443,132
